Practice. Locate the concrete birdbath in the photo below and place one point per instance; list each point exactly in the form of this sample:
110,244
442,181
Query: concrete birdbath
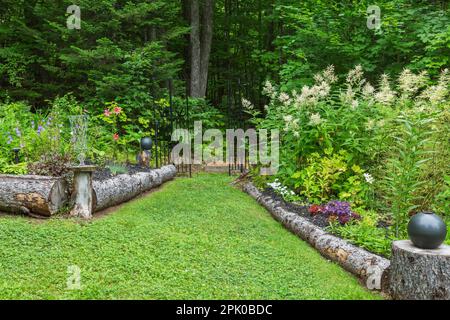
82,194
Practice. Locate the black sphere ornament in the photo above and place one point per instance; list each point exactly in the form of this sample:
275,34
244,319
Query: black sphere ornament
427,230
146,143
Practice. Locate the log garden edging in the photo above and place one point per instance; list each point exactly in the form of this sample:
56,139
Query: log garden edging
33,195
370,268
46,196
111,192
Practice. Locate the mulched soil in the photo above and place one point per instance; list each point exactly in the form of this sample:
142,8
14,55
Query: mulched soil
318,220
103,174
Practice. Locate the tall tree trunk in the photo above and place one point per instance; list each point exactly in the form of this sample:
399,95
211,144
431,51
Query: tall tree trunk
200,45
195,84
207,34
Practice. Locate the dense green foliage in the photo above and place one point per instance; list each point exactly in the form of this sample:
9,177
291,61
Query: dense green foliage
127,50
119,53
164,247
384,149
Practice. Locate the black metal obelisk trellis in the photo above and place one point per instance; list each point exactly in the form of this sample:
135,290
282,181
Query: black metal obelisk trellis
166,121
235,120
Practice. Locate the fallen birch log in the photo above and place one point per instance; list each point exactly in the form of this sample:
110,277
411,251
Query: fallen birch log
370,268
32,195
125,187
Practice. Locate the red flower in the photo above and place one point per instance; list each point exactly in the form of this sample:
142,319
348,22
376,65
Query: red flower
315,209
116,136
107,113
117,110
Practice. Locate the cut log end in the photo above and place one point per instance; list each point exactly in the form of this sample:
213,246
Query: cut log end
418,274
32,195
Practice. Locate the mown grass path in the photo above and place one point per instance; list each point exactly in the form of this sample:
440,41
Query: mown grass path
196,238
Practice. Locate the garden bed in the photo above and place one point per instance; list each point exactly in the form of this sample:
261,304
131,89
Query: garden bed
370,268
41,196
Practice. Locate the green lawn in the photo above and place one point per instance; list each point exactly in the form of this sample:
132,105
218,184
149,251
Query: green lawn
197,238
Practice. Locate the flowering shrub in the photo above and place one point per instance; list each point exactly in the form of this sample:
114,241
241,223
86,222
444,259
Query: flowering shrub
383,147
32,135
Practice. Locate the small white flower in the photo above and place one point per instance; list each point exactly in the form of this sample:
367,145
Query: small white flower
315,119
284,98
369,178
288,118
356,77
247,104
269,89
370,124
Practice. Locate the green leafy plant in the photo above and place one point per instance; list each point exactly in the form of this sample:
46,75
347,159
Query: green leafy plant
117,169
330,177
442,204
404,166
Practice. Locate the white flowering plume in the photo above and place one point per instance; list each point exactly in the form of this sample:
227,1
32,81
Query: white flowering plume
385,95
368,91
247,104
315,119
355,77
410,83
269,90
438,93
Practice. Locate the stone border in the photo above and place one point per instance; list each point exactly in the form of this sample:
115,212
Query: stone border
370,268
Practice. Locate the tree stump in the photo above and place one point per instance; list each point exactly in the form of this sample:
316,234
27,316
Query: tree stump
83,194
419,274
32,195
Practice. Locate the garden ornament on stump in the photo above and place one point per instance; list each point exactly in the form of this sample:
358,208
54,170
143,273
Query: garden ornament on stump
427,230
83,193
145,155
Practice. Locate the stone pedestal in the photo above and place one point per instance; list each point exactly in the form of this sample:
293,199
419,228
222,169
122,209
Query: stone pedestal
82,194
419,274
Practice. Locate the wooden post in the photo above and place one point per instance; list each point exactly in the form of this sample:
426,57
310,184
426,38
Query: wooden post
83,195
419,274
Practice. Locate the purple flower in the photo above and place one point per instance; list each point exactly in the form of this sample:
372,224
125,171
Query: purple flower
40,129
340,210
18,133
